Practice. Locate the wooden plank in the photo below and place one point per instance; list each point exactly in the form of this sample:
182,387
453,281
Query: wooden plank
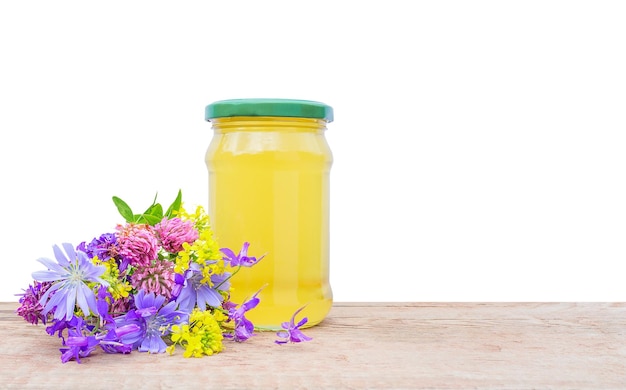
363,345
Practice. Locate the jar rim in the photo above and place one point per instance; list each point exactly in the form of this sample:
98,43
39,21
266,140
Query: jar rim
269,107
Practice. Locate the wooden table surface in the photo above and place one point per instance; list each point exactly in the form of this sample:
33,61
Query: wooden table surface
360,346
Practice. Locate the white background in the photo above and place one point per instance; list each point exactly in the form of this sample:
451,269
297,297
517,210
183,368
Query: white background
479,146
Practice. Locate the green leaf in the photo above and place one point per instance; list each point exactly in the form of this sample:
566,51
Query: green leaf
175,206
123,209
148,219
155,210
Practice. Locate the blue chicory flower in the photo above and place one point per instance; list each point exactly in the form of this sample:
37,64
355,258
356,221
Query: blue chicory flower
153,319
69,275
292,332
194,292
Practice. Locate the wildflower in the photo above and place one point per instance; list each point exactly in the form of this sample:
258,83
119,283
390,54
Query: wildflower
157,277
153,320
203,249
103,247
118,286
82,339
160,278
174,232
103,297
137,244
184,258
195,291
121,305
221,281
30,308
244,328
77,345
69,288
109,339
242,259
199,218
292,332
202,336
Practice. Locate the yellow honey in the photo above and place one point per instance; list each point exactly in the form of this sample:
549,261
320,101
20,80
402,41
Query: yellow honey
269,166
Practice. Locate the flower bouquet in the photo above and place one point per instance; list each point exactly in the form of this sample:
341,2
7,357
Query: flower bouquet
157,283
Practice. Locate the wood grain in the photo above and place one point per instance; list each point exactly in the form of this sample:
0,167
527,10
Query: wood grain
361,346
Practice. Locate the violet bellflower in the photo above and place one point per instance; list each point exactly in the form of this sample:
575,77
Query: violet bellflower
292,332
102,303
82,340
77,344
69,275
109,339
154,320
242,259
58,326
244,328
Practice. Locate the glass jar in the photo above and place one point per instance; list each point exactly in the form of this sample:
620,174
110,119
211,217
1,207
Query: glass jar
269,166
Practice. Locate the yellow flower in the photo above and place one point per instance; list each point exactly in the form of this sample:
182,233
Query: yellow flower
199,217
182,259
180,333
117,287
194,347
202,336
220,316
204,248
120,289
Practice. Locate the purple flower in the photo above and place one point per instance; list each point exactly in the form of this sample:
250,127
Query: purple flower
104,247
82,340
291,332
242,259
109,339
102,302
58,326
221,281
121,305
153,321
30,308
194,292
77,345
69,275
244,328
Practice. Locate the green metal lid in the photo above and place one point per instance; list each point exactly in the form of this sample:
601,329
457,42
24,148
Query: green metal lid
269,107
